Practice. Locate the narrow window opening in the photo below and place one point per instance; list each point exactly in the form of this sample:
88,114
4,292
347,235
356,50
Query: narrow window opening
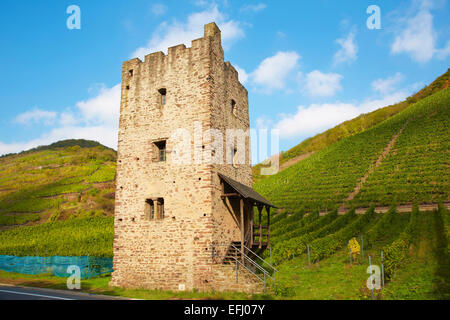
128,87
234,157
154,209
161,148
130,72
161,208
149,209
162,93
233,107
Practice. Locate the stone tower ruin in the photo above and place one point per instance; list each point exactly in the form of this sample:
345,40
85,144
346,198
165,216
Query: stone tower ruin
184,225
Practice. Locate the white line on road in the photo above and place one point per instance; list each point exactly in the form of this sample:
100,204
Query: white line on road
36,295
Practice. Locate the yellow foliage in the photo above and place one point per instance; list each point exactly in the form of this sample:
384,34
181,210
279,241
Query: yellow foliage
354,247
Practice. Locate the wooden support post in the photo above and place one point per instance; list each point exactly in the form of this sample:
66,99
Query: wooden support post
242,229
260,209
268,226
252,213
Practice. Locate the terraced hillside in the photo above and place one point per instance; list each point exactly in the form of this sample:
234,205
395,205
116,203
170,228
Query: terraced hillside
54,183
418,166
403,159
351,127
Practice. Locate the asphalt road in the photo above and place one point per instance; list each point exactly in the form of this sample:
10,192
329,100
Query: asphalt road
22,293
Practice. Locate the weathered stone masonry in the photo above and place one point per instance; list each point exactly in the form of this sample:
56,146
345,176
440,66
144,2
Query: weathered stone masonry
174,252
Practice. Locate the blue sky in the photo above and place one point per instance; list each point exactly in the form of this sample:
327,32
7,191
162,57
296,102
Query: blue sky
308,65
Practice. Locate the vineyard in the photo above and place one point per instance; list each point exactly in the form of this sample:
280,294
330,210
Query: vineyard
319,258
55,183
352,127
308,248
91,236
416,170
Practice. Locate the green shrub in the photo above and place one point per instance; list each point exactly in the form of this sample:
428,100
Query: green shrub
326,246
285,250
396,252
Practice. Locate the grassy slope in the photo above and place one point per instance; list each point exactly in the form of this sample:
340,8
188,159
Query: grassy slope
53,183
59,199
356,125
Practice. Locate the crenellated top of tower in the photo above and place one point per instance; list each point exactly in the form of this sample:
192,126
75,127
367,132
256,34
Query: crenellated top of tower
205,49
212,30
212,34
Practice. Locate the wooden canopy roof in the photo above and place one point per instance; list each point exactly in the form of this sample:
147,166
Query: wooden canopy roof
245,191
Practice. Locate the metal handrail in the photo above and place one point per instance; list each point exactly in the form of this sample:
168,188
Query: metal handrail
248,269
251,261
264,261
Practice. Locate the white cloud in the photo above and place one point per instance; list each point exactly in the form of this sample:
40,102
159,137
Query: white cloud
104,108
175,33
444,52
253,7
67,119
35,116
159,9
322,84
418,38
272,72
96,119
264,123
243,76
316,118
348,51
388,84
372,104
102,134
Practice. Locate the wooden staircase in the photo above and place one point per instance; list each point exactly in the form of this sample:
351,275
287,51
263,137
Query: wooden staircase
233,253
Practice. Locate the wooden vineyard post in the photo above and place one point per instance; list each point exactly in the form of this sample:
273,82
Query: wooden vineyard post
350,253
260,208
309,259
242,230
362,246
382,269
268,225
